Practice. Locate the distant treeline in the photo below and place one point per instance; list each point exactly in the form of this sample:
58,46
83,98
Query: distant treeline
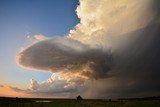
16,99
143,98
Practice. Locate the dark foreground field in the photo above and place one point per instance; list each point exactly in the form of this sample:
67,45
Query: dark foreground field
24,102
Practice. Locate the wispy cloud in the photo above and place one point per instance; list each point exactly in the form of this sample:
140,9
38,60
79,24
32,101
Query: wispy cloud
13,92
1,86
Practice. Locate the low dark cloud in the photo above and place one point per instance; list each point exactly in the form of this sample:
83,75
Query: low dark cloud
65,54
135,70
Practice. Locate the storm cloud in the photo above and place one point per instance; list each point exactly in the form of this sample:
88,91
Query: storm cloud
66,55
113,52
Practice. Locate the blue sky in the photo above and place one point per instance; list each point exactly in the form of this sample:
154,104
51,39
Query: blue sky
19,18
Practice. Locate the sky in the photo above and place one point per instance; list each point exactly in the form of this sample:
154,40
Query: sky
96,49
21,19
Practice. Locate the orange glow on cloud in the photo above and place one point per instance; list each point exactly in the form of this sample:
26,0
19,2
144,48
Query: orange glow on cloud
6,91
39,37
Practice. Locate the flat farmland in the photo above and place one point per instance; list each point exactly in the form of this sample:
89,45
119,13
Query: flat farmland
34,102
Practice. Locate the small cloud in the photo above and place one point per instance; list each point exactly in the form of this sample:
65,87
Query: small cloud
28,37
1,86
39,37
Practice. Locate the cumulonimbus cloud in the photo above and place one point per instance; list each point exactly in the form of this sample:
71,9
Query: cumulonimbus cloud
116,44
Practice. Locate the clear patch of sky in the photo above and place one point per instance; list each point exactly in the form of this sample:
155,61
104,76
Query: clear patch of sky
21,17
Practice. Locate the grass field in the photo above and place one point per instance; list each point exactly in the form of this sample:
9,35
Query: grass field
21,102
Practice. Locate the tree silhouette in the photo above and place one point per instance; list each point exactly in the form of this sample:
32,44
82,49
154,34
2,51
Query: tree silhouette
79,98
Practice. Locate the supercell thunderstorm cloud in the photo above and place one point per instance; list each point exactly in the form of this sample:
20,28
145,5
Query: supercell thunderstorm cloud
113,52
65,55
